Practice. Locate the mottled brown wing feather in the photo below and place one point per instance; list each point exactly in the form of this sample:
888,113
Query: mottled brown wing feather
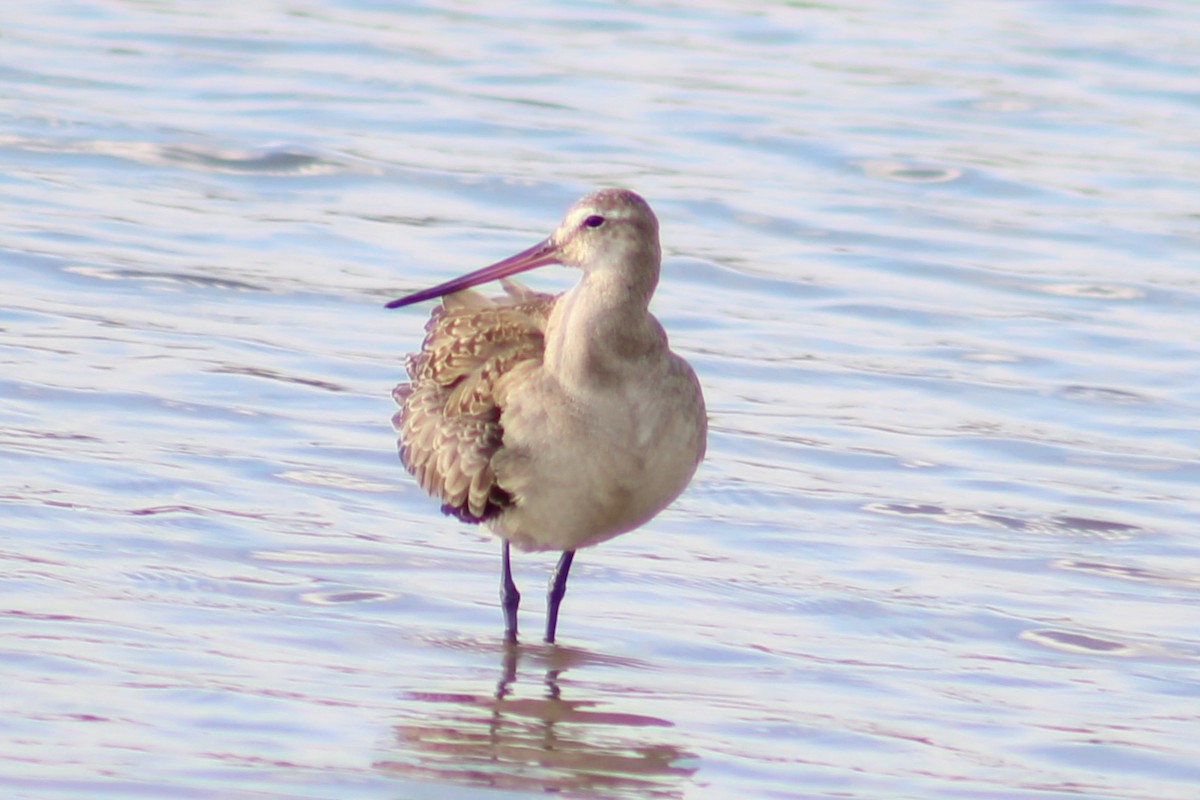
449,419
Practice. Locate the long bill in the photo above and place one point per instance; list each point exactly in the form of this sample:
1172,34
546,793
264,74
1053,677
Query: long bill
542,253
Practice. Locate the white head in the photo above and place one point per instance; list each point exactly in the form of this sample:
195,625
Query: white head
610,230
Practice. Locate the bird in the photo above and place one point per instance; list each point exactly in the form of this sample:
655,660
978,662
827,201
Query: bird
557,421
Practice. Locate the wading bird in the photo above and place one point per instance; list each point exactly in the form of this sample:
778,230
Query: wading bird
557,421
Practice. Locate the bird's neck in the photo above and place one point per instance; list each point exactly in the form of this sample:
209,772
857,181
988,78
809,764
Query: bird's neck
600,331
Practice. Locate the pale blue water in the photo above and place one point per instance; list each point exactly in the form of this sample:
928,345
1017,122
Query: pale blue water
936,264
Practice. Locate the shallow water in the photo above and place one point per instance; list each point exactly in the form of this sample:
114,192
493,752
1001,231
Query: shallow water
935,264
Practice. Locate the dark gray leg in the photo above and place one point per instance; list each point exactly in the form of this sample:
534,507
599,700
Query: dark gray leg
510,598
558,588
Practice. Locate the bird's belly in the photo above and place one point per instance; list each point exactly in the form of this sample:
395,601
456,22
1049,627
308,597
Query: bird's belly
581,476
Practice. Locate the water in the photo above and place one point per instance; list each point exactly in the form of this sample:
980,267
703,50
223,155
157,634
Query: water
935,264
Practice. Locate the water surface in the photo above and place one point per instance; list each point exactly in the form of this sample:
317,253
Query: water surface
935,264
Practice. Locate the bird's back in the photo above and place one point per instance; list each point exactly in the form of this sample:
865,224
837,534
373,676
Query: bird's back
449,417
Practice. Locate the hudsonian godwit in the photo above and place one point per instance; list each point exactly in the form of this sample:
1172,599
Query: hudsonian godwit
558,421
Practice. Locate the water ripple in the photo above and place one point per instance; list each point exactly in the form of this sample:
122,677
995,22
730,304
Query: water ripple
935,267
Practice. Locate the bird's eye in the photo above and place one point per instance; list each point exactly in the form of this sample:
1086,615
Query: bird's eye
594,221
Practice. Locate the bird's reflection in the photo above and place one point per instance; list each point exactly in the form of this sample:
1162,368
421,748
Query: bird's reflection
542,743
